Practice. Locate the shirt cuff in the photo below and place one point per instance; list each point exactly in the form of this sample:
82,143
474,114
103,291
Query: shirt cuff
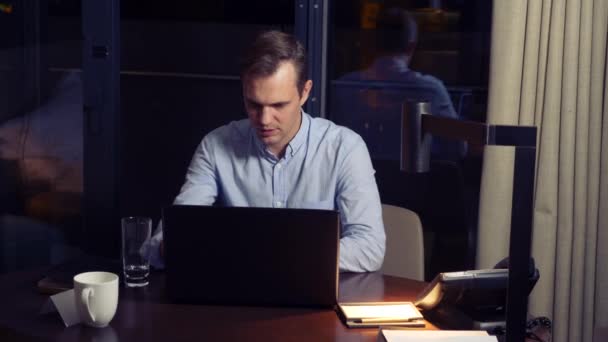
152,247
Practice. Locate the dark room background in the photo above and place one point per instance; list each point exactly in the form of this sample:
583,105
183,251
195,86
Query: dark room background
103,103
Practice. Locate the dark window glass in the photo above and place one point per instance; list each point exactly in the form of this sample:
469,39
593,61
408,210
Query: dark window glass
180,80
384,52
41,149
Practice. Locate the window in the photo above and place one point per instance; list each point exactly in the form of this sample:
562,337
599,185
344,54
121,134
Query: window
180,80
41,148
385,52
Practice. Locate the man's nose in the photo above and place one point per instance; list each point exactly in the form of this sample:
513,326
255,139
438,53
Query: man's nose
265,116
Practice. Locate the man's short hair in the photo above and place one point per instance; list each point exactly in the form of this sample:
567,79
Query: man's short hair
268,51
397,31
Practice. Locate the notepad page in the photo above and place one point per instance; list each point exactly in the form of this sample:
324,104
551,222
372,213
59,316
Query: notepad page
406,311
437,335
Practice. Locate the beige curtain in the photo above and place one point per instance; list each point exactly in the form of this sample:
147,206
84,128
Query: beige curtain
548,69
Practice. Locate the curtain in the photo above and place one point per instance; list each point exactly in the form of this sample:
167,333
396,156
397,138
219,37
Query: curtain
548,69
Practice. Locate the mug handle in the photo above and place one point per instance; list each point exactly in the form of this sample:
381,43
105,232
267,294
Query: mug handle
86,294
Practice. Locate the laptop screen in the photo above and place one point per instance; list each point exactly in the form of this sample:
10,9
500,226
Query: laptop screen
251,256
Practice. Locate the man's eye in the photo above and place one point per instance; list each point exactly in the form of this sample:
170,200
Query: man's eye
278,105
253,105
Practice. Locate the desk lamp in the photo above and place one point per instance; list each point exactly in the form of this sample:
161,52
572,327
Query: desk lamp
417,128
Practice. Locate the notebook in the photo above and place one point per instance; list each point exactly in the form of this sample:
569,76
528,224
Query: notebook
374,314
251,256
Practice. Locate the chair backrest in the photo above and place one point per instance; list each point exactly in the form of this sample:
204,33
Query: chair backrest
404,255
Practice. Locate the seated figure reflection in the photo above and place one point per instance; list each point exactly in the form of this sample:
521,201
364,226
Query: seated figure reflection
370,101
41,184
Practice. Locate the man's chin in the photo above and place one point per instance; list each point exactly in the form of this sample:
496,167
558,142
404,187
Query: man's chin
269,142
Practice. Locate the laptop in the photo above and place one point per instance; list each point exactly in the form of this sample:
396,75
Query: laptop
251,256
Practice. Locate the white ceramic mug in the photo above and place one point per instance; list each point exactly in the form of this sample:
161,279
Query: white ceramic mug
96,296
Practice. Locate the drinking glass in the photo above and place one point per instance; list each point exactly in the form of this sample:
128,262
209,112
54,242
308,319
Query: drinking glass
136,264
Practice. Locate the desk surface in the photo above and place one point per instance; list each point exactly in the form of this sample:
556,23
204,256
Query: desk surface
146,315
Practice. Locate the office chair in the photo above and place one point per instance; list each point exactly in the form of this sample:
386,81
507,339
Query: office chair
404,255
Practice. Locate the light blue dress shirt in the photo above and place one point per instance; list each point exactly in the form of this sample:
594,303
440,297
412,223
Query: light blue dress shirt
325,166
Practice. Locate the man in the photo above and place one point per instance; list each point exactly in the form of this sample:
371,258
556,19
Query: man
370,101
282,157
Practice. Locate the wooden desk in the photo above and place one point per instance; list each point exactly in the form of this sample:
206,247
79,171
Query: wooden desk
146,315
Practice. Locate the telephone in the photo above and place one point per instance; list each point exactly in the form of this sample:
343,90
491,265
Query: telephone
473,299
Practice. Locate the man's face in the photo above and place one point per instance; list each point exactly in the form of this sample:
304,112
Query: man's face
273,104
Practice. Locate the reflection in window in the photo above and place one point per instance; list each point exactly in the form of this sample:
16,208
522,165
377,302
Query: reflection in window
384,52
41,149
370,99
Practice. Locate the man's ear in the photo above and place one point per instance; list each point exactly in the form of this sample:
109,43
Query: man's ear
305,92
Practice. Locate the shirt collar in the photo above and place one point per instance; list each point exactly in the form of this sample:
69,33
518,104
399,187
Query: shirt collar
300,137
389,65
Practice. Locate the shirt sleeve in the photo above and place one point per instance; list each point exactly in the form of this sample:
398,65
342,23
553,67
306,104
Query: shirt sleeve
363,240
200,188
152,248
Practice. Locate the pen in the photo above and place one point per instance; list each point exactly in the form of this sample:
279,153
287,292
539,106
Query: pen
387,320
401,326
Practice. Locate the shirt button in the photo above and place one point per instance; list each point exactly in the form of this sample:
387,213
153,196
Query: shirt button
279,204
279,165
